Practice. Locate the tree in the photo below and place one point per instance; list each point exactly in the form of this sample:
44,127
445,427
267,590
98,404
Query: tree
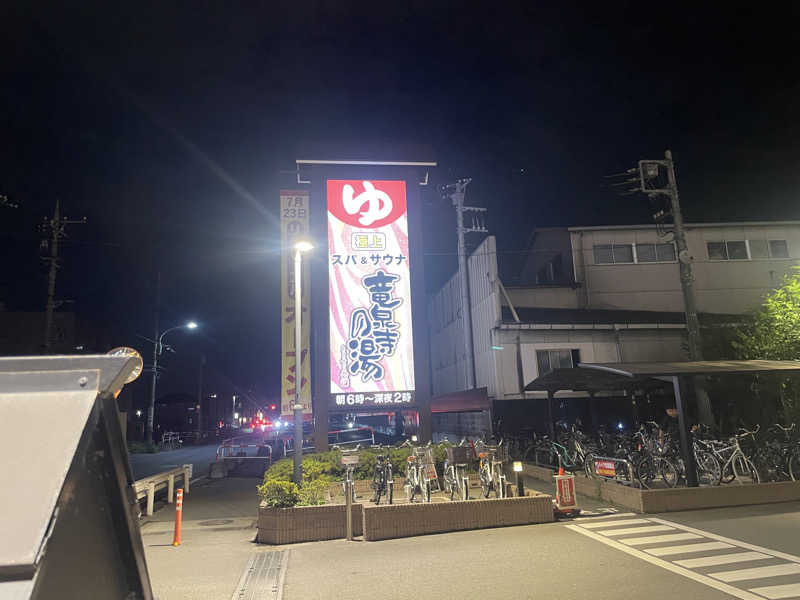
774,334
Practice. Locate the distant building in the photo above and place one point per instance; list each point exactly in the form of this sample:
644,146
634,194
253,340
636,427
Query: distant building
596,294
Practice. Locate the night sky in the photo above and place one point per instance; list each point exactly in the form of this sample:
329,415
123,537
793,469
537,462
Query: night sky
172,125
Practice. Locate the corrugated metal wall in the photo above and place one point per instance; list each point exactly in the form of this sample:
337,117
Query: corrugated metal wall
448,351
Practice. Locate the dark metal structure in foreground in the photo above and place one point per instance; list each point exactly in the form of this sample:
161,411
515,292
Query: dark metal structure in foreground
69,518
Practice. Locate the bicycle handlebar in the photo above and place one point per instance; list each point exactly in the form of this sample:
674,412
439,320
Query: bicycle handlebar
785,429
744,432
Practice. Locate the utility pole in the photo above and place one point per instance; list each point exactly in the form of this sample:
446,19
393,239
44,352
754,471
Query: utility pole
151,406
455,191
199,411
649,174
56,228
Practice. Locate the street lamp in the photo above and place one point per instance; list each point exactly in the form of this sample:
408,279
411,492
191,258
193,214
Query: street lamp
158,348
300,246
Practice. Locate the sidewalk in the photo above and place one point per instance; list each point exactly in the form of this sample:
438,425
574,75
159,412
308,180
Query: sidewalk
219,526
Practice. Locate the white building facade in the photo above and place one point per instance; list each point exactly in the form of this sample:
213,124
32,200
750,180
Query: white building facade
599,294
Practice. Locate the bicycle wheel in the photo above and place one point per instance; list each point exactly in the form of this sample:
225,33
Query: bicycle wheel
390,492
794,465
588,465
486,482
465,488
426,491
669,472
644,471
708,470
744,470
727,473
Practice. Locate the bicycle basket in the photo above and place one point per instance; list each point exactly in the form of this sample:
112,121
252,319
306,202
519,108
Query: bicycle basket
459,454
501,453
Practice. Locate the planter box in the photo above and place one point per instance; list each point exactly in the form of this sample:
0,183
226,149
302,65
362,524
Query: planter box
676,499
305,523
404,520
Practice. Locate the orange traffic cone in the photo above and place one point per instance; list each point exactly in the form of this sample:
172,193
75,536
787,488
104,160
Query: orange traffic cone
560,466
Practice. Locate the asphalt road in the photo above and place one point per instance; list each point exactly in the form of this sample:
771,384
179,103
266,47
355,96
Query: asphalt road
607,556
201,457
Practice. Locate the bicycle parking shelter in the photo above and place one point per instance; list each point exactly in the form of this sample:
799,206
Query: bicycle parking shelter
633,376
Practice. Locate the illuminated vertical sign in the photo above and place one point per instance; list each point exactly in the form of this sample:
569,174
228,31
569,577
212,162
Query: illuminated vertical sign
371,342
294,224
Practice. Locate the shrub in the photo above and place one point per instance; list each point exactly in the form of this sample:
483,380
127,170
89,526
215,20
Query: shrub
315,491
142,448
279,494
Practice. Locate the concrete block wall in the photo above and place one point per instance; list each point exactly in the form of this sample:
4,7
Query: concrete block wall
306,523
405,520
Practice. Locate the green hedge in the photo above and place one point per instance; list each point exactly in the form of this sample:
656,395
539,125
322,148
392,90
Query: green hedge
322,468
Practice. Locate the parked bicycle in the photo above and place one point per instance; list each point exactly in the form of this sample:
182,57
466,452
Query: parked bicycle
417,480
490,470
456,480
382,482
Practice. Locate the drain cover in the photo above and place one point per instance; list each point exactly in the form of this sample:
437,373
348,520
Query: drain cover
215,522
263,577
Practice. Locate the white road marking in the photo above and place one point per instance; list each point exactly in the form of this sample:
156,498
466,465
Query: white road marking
745,545
603,516
723,559
630,530
687,548
713,583
600,524
776,592
757,572
660,539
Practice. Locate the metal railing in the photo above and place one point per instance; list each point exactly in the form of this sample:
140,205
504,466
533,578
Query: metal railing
230,450
147,486
171,440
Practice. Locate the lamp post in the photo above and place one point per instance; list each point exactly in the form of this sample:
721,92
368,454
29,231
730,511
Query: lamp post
299,247
158,347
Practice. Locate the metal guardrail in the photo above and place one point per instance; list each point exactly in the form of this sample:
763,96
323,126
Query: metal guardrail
147,486
171,440
230,450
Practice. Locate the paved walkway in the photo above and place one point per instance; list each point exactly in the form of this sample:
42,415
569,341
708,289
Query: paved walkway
218,533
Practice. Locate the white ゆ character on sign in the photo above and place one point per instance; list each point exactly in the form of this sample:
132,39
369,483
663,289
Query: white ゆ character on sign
379,204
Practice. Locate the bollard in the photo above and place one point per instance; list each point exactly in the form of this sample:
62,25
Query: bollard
176,539
348,503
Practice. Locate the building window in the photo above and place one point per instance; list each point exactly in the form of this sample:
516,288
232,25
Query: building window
607,254
746,250
778,249
655,253
547,360
737,250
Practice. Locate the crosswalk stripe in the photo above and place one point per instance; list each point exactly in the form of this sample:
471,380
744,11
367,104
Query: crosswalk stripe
723,559
664,564
776,592
605,517
614,523
757,572
659,539
630,530
739,543
687,548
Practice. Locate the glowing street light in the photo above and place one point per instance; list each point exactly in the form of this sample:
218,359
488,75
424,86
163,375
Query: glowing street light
158,348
